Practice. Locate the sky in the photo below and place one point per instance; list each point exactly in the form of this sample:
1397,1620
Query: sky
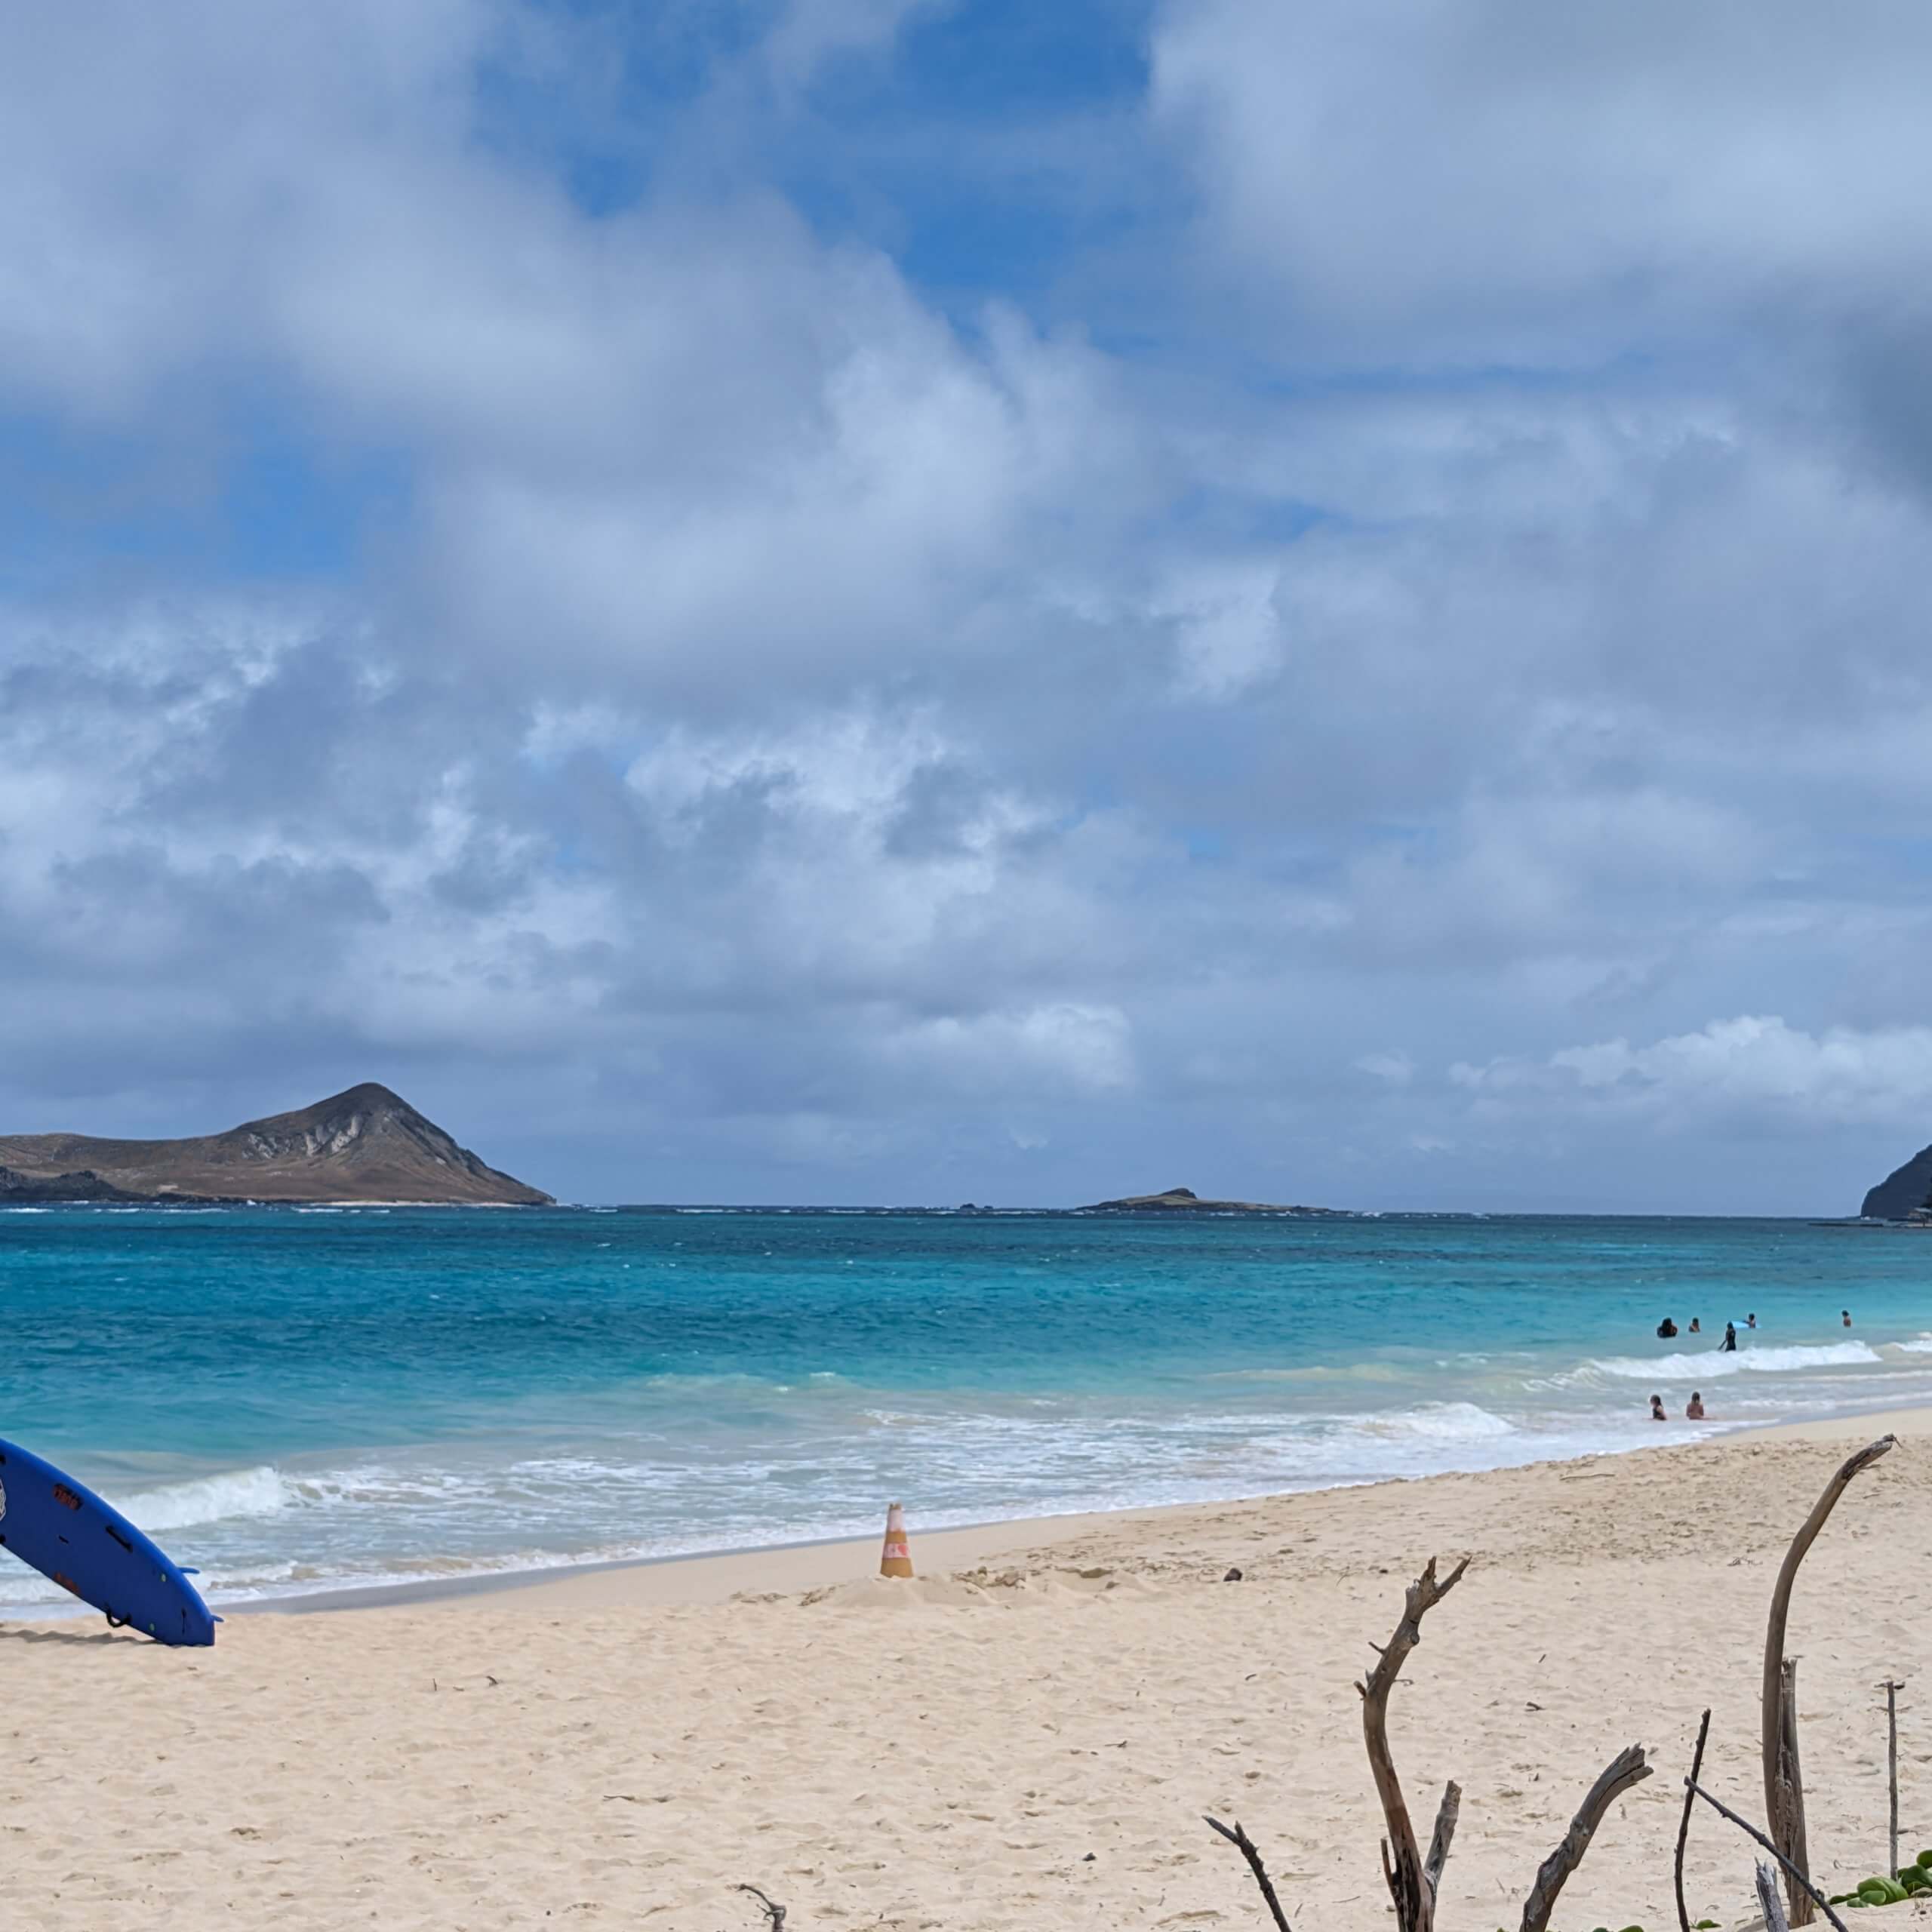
910,600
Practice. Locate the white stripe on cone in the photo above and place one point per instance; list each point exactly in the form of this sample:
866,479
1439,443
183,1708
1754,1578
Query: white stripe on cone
896,1558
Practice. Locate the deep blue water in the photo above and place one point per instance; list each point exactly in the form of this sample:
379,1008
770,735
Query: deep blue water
294,1399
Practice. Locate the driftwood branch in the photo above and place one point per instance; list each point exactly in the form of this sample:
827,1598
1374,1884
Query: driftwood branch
1768,1901
774,1913
1750,1830
1796,1842
1409,1883
1684,1823
1245,1845
1892,1687
1626,1769
1446,1813
1784,1789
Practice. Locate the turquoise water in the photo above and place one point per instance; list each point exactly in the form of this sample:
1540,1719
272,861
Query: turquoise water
297,1400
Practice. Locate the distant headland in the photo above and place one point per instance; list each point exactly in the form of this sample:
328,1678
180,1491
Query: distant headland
367,1144
1905,1194
1185,1201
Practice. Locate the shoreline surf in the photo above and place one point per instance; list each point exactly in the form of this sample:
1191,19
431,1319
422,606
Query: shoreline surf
709,1577
306,1405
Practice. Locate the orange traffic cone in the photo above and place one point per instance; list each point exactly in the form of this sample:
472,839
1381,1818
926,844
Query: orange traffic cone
896,1559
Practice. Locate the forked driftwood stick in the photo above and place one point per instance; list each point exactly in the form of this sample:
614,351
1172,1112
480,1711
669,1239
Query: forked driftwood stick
1768,1901
773,1911
1626,1769
1791,1782
1411,1883
1784,1789
1744,1824
1447,1814
1684,1823
1245,1845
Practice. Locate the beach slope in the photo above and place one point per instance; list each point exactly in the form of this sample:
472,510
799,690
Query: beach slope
1029,1742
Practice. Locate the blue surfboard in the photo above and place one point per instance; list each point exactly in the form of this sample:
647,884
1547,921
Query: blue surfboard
67,1532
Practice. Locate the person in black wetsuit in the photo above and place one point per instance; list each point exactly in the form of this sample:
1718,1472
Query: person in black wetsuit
1666,1329
1728,1346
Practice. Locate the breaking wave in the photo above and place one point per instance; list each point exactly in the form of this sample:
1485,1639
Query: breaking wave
261,1491
1441,1421
1709,1363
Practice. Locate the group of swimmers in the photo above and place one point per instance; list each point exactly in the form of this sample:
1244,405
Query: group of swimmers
1667,1332
1693,1409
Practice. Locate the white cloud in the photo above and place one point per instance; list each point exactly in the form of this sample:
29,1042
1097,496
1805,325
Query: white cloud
1753,1063
1492,180
813,718
810,32
1395,1069
1056,1049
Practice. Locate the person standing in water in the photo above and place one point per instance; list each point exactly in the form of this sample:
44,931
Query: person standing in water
1847,1317
1694,1412
1657,1409
1750,1321
1666,1329
1696,1327
1728,1346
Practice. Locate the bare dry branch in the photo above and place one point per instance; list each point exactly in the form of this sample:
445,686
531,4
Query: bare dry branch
1784,1790
1744,1824
1793,1837
1892,1687
1684,1823
1625,1769
1768,1901
774,1913
1447,1814
1409,1884
1245,1845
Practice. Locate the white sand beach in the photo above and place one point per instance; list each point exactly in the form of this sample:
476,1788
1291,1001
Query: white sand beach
1026,1736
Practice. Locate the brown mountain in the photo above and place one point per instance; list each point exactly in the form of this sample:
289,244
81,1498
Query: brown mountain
367,1144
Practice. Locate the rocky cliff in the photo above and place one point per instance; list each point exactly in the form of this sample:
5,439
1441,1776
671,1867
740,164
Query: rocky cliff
1904,1192
367,1144
20,1190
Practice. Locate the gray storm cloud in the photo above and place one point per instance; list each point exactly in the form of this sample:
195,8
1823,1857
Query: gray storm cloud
1389,729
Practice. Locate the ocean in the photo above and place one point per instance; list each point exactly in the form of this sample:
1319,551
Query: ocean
298,1400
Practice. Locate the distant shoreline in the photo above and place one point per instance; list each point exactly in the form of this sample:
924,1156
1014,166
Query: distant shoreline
1164,1217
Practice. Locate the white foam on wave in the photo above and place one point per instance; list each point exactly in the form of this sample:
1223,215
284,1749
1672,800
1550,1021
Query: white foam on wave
1712,1363
261,1491
1441,1421
1919,1345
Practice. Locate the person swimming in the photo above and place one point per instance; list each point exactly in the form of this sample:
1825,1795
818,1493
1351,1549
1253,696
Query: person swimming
1697,1326
1728,1346
1657,1409
1694,1410
1666,1329
1750,1321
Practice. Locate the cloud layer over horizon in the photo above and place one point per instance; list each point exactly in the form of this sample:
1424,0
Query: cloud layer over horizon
900,600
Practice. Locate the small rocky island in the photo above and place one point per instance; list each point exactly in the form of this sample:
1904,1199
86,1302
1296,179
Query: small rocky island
1905,1194
1185,1201
367,1144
